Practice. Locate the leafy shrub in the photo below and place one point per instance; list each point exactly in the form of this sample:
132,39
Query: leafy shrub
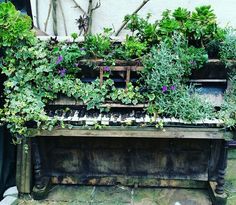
129,96
199,26
228,109
228,46
164,73
133,48
145,31
97,46
14,27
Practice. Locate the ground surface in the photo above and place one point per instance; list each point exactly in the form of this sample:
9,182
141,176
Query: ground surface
119,195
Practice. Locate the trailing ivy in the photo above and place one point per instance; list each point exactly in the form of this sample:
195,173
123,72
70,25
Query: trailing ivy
38,72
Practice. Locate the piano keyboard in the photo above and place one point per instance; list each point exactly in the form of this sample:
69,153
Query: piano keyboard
82,116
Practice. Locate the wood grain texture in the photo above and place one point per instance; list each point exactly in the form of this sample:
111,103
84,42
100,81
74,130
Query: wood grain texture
137,132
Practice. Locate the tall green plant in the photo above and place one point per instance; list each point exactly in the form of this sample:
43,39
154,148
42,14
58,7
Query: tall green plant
165,72
14,27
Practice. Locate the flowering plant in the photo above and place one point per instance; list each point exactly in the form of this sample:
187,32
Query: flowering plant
37,72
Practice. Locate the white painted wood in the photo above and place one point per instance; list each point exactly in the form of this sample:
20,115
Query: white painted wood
9,200
111,13
12,191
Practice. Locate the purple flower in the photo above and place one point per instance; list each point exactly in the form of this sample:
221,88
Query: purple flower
76,64
106,69
164,88
62,72
82,49
59,59
173,87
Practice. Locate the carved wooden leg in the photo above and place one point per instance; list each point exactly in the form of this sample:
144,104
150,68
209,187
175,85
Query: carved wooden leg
222,169
42,182
217,194
23,167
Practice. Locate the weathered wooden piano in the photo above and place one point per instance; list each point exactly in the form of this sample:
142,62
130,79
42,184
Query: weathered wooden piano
121,151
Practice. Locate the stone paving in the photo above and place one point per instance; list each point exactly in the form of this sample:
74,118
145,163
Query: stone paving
120,195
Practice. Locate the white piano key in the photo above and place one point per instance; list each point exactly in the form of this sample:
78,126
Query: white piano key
113,119
105,120
139,120
119,119
147,119
167,120
198,122
174,120
75,118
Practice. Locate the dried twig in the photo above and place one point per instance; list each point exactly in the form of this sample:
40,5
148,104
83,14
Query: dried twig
98,4
37,13
78,6
90,14
54,16
47,19
63,16
136,11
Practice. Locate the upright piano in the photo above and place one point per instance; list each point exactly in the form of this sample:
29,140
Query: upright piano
123,146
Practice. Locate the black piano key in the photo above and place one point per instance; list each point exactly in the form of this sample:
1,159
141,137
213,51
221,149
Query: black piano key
82,112
67,114
95,114
72,113
59,113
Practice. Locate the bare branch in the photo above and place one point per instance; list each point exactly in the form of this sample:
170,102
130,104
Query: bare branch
63,16
90,14
98,4
47,19
37,13
78,6
54,16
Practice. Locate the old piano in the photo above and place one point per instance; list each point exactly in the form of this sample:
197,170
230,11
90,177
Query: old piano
114,148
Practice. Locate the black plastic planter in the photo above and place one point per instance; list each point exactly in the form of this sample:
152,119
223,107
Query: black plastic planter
7,161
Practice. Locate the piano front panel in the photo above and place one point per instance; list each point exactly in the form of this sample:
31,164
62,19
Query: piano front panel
105,161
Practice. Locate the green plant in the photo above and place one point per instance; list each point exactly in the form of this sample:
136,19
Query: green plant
164,72
131,95
38,72
93,95
14,27
97,46
142,28
171,64
133,48
228,109
202,25
199,26
228,46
